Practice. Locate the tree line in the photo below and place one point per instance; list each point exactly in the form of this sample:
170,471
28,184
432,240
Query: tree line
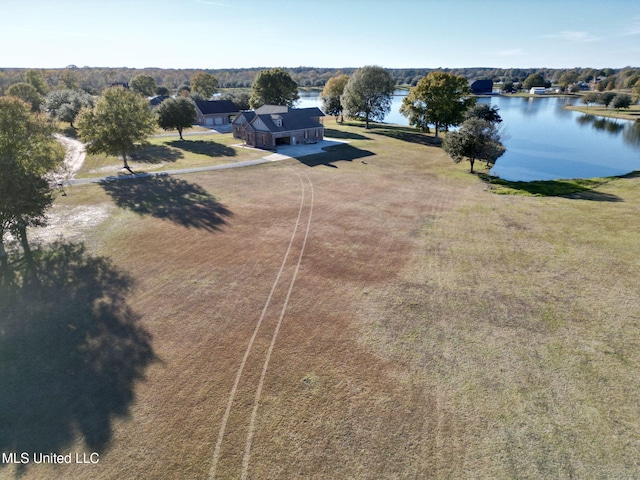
95,80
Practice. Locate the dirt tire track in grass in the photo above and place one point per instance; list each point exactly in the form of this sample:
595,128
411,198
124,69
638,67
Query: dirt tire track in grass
265,367
260,321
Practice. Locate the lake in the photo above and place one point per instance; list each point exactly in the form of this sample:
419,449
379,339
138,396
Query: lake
546,142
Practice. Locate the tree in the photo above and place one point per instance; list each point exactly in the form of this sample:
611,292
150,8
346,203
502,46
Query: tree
368,94
28,151
273,87
65,105
621,100
70,78
440,99
476,139
534,80
331,93
567,78
635,91
26,93
37,80
606,98
177,113
144,85
204,84
120,119
589,98
239,99
486,112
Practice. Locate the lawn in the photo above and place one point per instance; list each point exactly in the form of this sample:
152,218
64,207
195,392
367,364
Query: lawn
170,153
632,113
431,329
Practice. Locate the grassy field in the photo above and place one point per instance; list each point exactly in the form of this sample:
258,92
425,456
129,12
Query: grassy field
412,324
631,113
169,153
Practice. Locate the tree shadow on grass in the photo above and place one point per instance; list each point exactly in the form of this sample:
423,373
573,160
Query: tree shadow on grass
333,133
204,147
405,134
157,154
337,153
71,351
577,189
168,198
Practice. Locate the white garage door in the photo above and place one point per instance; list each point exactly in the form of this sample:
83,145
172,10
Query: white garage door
218,121
208,121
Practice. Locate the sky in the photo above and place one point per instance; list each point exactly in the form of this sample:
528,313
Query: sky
216,34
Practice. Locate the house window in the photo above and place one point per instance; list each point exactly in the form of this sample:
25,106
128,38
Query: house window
279,122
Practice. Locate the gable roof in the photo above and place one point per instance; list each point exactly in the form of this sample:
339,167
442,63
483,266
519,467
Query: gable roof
208,107
482,86
292,118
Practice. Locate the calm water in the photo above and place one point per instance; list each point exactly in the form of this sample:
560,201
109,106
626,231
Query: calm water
546,142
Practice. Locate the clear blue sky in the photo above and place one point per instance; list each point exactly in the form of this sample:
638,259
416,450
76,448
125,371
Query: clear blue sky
320,33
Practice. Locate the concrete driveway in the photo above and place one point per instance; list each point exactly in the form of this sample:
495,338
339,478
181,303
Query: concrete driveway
297,151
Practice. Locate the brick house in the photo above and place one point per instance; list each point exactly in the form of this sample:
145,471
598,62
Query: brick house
215,112
273,125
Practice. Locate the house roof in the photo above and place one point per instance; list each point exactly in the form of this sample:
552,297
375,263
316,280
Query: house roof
292,118
482,86
208,107
272,109
155,101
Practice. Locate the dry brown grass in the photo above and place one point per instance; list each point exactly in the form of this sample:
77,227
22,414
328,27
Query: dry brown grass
434,330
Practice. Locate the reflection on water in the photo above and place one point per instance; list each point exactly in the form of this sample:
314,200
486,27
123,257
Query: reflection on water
545,141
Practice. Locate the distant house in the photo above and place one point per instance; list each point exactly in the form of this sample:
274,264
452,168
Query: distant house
273,125
157,100
538,90
482,87
215,112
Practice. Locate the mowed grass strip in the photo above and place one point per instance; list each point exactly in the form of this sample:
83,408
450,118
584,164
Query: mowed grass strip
435,329
171,153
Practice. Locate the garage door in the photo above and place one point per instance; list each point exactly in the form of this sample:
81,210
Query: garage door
218,121
208,121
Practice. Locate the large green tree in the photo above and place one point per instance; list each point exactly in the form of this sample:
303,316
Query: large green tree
144,85
477,139
534,80
331,93
621,100
204,84
65,105
440,99
605,98
120,119
273,87
28,152
177,113
368,93
37,80
27,93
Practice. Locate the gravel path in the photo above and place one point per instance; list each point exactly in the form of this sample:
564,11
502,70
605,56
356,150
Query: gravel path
73,159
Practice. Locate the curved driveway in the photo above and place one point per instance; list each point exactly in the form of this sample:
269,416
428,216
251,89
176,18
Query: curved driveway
285,152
